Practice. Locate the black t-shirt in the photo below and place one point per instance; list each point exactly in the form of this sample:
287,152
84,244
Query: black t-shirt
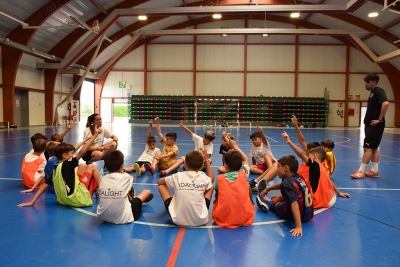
68,174
375,100
314,172
223,149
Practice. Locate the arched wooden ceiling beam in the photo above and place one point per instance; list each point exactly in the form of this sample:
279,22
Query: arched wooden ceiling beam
388,37
61,49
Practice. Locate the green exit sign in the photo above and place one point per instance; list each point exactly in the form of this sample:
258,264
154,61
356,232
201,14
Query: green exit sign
122,84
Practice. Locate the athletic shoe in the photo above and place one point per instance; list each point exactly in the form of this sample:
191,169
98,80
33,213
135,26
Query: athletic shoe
357,174
137,169
149,198
262,185
163,173
372,174
254,186
261,203
149,168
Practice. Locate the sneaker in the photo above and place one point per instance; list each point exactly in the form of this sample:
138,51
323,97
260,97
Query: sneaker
357,174
163,173
254,186
261,203
137,169
149,198
262,185
149,168
372,174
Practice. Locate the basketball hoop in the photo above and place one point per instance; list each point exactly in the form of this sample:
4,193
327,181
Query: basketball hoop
95,26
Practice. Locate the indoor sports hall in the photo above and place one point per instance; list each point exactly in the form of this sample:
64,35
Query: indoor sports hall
360,231
215,65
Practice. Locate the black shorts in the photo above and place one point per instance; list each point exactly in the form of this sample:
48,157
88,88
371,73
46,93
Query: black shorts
167,202
87,156
373,135
136,205
140,163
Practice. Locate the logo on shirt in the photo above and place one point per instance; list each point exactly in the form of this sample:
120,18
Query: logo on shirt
191,186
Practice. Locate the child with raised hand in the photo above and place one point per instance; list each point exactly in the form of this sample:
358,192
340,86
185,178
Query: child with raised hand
73,183
260,152
202,144
147,161
224,148
117,201
233,205
170,150
193,192
295,201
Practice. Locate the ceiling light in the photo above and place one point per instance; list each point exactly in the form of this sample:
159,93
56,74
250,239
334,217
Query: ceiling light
373,14
217,16
224,35
142,17
295,15
265,34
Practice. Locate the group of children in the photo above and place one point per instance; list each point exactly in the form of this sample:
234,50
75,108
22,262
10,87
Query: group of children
302,189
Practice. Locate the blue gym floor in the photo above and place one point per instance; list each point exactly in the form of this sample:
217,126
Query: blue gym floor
361,231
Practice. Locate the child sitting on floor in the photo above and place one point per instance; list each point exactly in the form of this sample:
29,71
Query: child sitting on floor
117,201
233,205
224,148
170,150
330,159
260,152
193,192
295,201
204,145
73,183
146,161
33,164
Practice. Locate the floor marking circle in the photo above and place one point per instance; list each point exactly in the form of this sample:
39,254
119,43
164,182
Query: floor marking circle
318,211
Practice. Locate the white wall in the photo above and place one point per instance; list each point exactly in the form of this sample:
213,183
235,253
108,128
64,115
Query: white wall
36,108
270,68
27,74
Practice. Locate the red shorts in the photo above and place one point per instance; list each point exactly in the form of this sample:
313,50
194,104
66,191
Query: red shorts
261,166
88,180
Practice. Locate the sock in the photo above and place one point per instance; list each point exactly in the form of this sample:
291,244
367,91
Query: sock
362,168
374,167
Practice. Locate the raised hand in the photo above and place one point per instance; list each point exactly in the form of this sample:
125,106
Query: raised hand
294,120
285,137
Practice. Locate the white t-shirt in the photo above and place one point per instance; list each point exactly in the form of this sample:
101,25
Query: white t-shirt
188,206
259,153
199,146
100,138
148,154
41,155
114,205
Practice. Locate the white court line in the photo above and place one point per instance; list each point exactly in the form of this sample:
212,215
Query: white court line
377,189
318,211
13,179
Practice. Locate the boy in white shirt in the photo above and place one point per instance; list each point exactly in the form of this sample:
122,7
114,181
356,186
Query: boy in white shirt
117,201
193,192
202,144
146,161
260,152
